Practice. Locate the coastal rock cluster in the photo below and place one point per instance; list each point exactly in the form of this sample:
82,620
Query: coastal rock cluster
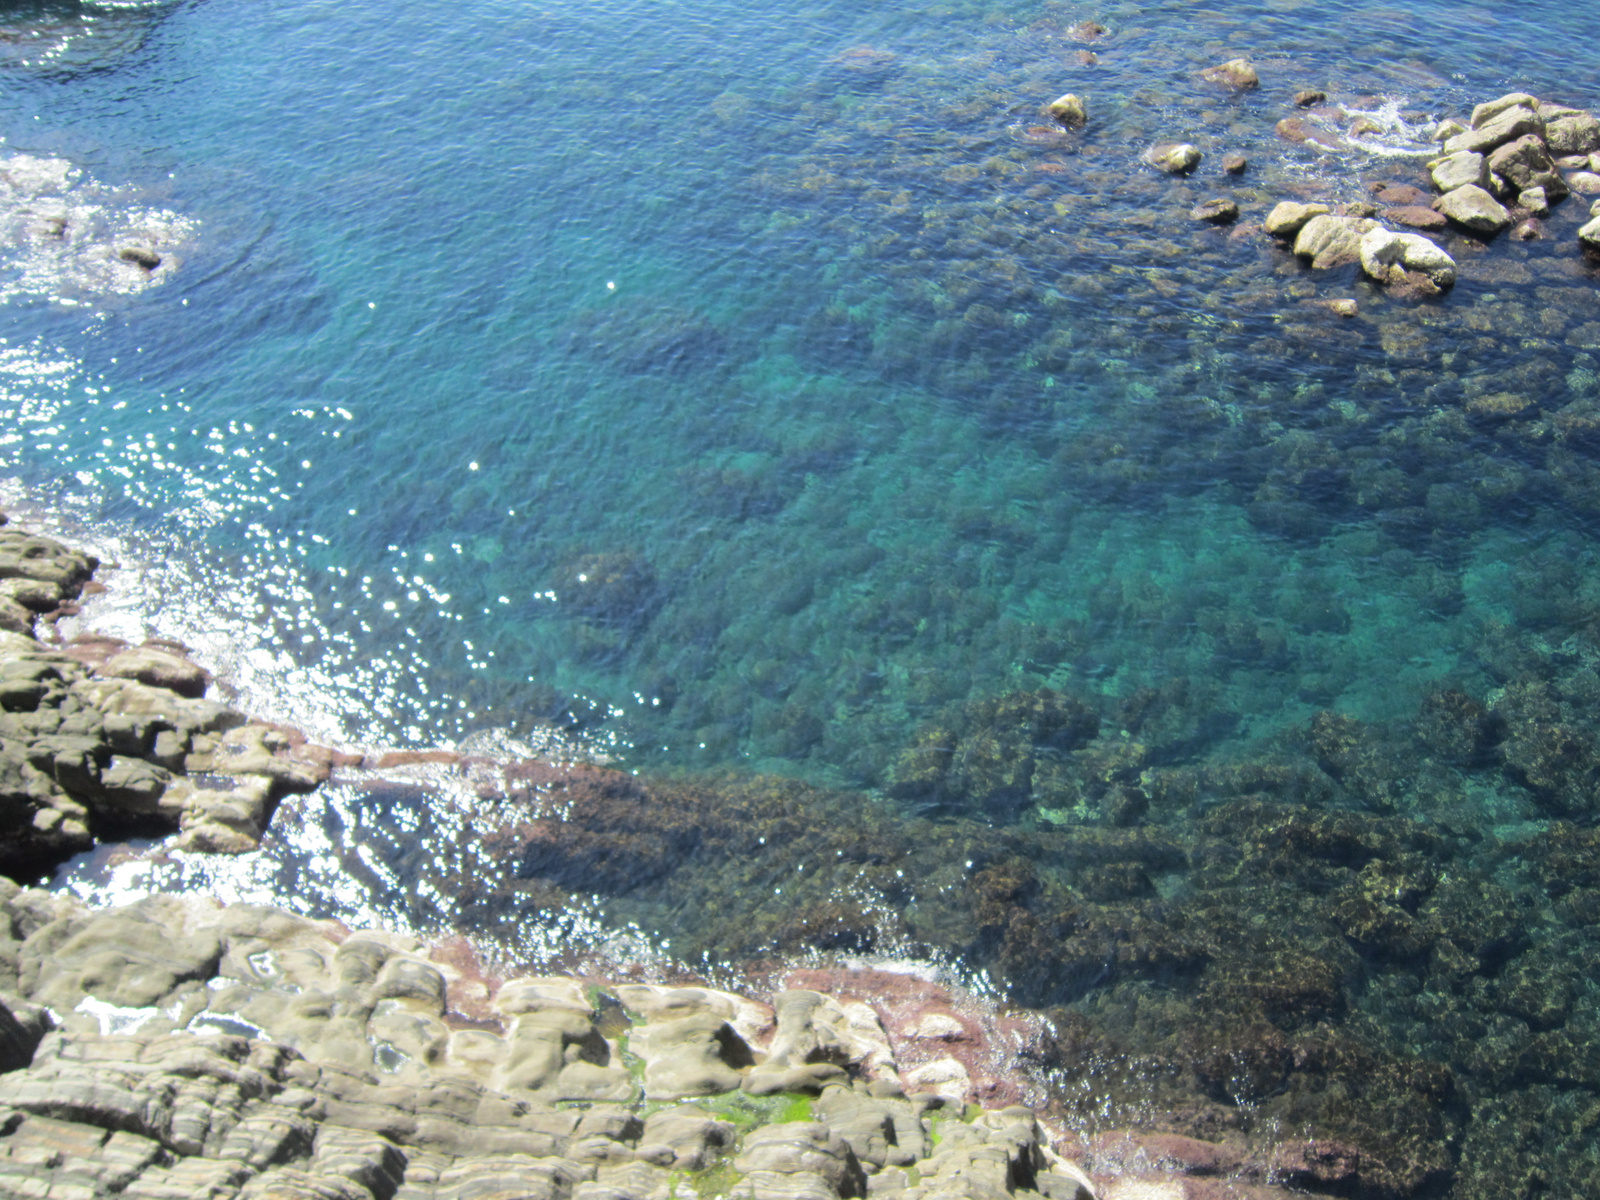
103,740
1517,149
178,1049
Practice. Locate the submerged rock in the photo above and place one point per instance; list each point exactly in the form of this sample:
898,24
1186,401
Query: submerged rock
1237,73
1218,211
1175,158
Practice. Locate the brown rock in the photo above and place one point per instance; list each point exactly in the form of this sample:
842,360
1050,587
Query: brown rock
1217,211
140,256
1235,164
1402,194
1087,31
1416,216
1308,98
158,668
384,760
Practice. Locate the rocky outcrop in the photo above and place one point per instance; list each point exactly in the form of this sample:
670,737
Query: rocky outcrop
1390,257
1474,209
1331,241
177,1048
101,739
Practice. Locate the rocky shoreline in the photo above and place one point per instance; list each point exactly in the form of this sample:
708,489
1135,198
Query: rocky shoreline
101,740
180,1046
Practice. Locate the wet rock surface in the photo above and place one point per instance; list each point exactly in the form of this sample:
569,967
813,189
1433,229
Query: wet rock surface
267,1055
99,739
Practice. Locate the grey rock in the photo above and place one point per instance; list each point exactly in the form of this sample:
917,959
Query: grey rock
22,1026
1387,256
691,1056
1287,217
690,1137
1505,126
158,668
1475,209
1585,183
1525,163
155,1111
26,556
803,1148
1487,111
1589,234
1572,133
1463,169
1175,158
1332,241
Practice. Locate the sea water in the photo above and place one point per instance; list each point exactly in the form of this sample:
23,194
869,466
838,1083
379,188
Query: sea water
756,387
466,300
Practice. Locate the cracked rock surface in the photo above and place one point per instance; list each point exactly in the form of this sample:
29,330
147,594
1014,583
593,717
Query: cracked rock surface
177,1049
98,739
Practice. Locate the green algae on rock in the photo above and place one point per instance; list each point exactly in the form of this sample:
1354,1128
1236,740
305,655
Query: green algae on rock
177,1044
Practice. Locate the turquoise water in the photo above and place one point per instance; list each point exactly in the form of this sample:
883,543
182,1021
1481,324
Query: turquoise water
871,398
770,390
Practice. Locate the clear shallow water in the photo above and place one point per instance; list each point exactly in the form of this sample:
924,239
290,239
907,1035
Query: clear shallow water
768,389
783,336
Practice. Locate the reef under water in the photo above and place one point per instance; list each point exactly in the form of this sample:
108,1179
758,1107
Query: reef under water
793,499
